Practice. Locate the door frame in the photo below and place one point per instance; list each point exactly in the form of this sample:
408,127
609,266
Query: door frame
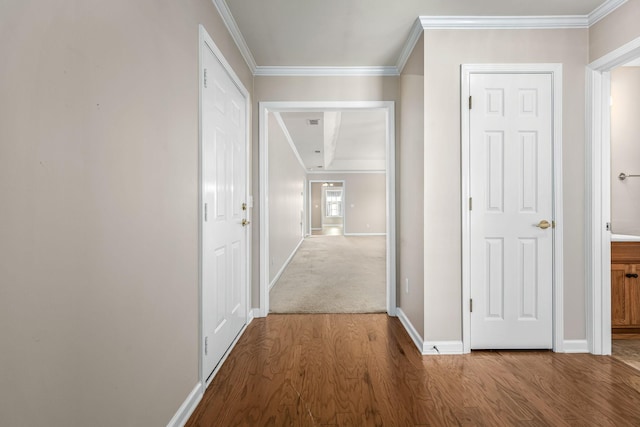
205,41
598,194
344,211
555,70
301,106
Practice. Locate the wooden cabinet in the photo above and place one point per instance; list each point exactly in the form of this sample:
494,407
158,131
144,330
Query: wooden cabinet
625,287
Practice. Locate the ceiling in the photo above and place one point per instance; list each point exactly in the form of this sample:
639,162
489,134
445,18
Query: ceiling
277,36
360,143
361,33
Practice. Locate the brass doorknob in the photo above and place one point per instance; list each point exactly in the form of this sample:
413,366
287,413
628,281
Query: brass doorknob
245,222
544,224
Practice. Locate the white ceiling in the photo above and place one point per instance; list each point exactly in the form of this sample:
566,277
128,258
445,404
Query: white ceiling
360,144
356,33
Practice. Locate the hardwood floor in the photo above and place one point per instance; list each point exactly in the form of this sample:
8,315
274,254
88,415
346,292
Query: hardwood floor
363,370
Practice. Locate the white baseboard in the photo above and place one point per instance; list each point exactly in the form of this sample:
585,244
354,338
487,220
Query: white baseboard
442,347
255,313
365,234
428,347
188,406
411,330
575,346
284,266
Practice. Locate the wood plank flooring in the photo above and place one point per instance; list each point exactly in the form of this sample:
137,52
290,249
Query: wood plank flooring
363,370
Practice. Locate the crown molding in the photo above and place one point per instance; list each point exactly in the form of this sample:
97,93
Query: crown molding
237,36
414,36
603,10
503,22
326,71
421,23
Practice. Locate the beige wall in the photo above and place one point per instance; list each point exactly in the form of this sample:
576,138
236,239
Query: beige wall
410,184
616,29
307,89
625,150
286,199
99,222
364,203
445,51
316,205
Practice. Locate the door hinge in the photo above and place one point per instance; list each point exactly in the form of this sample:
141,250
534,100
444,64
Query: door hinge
608,226
205,78
471,305
205,212
470,102
470,203
206,345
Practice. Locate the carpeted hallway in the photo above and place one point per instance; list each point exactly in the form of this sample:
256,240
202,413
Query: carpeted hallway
333,274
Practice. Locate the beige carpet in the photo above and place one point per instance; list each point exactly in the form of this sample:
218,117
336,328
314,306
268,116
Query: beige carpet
333,274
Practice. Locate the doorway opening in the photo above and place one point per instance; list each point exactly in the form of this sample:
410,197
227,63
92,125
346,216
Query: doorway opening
326,209
363,205
613,315
600,180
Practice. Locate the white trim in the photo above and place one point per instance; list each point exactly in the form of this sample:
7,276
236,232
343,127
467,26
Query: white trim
189,405
206,40
438,348
286,70
285,265
558,286
236,35
503,22
576,346
620,56
365,234
411,330
255,312
287,136
409,45
264,213
428,347
603,10
322,172
598,194
389,108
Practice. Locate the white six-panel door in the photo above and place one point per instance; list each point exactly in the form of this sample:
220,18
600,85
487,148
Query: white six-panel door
511,186
224,251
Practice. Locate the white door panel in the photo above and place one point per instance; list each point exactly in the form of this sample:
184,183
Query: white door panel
224,250
511,162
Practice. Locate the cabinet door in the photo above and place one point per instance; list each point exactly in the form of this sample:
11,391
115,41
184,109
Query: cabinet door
633,294
619,295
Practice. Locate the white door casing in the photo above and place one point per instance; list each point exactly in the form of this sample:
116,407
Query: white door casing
508,261
224,257
281,106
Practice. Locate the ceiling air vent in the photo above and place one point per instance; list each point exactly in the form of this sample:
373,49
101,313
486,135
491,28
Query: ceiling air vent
313,122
